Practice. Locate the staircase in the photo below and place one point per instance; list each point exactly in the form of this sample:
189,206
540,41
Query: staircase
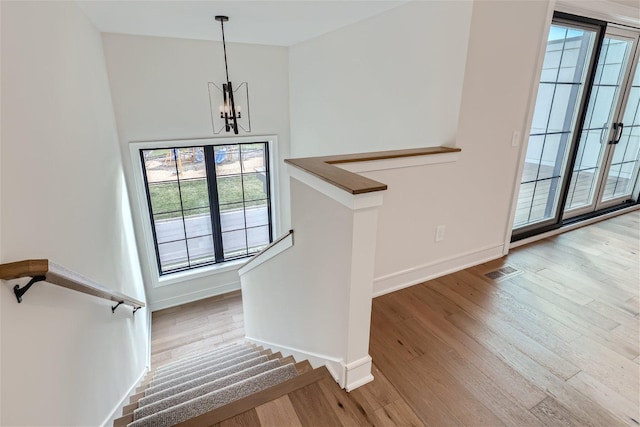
210,387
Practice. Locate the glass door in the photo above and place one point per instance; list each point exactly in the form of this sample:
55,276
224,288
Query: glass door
621,182
602,172
583,155
568,62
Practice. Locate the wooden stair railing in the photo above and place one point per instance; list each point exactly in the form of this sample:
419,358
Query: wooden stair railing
45,270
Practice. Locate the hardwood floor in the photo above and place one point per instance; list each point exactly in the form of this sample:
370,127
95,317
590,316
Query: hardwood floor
194,327
555,341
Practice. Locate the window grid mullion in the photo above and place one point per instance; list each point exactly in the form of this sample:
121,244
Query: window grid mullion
244,203
214,211
176,154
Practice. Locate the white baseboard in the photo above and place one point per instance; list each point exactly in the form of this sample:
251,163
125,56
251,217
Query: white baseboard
357,373
348,376
193,296
422,273
108,422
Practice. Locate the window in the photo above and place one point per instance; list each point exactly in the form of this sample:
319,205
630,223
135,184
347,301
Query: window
208,204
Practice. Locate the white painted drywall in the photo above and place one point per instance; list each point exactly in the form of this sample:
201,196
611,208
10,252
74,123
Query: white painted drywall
391,81
159,89
66,359
343,93
313,300
306,307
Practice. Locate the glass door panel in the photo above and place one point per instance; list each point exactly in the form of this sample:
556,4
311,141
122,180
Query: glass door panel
566,66
623,172
593,148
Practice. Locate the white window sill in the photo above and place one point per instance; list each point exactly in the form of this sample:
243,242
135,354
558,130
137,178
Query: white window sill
210,270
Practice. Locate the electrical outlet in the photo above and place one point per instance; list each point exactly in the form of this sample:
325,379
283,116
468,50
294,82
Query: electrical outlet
440,233
515,138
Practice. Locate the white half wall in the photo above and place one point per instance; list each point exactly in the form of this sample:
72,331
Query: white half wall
468,69
66,359
160,92
313,300
390,81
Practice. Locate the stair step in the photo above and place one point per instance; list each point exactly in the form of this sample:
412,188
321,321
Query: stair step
201,354
287,360
134,398
128,409
155,395
194,365
304,367
143,387
151,407
123,421
216,399
198,374
246,403
274,356
207,388
194,360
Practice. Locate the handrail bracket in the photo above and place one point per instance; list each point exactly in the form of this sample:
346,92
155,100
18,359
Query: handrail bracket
113,308
19,291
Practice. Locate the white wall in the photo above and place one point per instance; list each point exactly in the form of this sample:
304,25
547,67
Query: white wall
472,197
66,359
159,89
391,81
314,299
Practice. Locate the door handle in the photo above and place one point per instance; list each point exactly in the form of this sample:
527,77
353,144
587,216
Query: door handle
617,128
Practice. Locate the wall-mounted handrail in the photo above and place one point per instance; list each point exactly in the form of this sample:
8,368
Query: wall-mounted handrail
45,270
269,246
325,167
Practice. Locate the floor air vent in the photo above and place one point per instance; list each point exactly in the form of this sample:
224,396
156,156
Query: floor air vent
503,273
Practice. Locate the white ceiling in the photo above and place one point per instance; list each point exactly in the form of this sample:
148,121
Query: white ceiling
282,23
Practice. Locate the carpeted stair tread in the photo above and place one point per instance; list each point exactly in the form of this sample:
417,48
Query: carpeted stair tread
186,385
218,398
198,355
194,359
203,364
162,392
195,392
203,361
197,374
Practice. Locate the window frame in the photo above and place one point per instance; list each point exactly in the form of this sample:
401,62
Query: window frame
149,246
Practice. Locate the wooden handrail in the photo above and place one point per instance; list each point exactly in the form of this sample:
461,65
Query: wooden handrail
269,246
42,269
325,167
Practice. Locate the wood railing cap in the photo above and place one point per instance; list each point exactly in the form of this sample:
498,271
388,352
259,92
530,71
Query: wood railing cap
61,276
325,168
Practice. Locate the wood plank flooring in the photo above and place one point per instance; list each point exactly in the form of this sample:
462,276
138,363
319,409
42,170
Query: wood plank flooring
198,326
555,342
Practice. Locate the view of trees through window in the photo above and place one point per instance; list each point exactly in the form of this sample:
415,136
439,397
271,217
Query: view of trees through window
208,204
